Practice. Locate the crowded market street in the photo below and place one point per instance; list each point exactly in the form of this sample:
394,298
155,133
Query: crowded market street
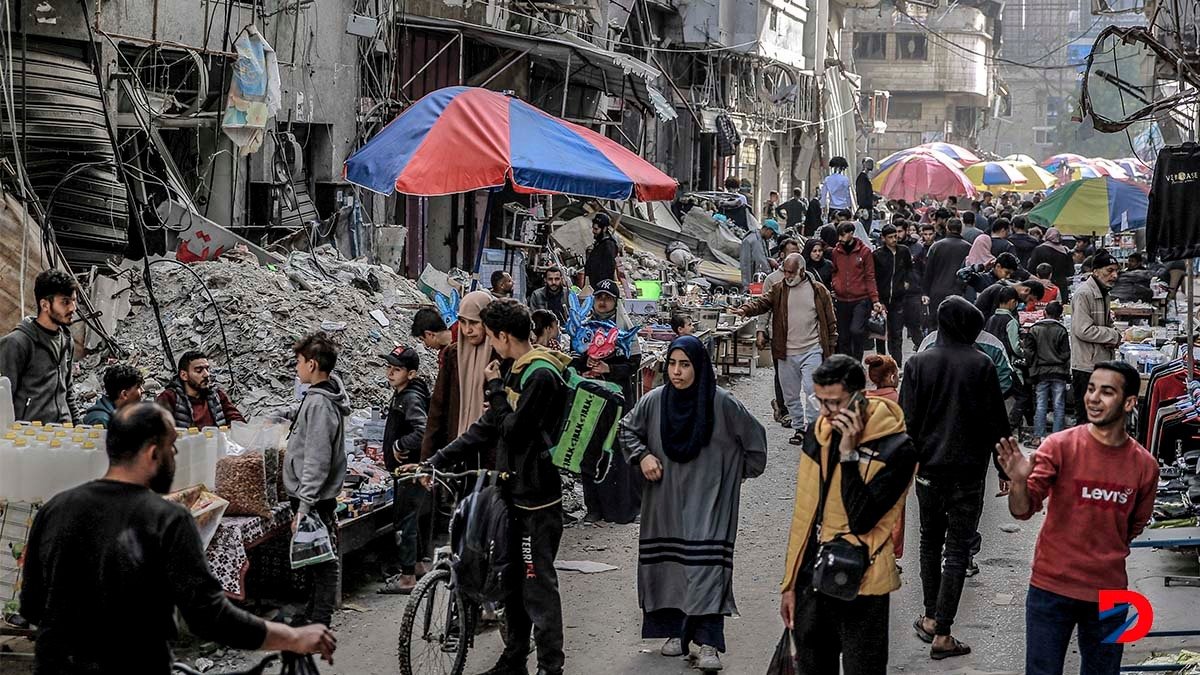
632,337
601,612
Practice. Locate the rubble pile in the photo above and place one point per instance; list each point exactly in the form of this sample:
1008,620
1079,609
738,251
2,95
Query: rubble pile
644,265
366,309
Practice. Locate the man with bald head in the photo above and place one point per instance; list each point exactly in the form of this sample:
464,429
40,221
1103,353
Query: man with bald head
803,334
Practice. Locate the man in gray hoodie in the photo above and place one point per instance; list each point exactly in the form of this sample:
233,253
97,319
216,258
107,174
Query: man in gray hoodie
38,355
316,459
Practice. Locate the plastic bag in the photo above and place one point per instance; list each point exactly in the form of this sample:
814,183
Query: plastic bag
206,508
784,660
249,475
298,664
311,543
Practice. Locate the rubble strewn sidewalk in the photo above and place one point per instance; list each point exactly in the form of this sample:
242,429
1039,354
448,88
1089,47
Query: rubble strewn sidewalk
264,310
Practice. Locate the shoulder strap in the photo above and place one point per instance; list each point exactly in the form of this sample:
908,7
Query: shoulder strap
537,364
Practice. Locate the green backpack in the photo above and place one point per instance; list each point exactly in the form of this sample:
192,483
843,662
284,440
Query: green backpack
591,412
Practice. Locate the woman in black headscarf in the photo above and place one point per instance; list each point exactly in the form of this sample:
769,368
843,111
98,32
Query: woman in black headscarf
816,262
694,443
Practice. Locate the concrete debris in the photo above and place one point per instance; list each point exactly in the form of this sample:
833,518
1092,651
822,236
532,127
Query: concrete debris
265,309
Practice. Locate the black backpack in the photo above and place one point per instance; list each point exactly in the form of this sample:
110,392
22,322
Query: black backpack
479,539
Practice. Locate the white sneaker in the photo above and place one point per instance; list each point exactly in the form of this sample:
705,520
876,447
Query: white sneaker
672,647
709,659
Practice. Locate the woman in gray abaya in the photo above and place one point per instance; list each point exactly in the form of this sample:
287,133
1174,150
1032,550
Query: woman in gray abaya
695,444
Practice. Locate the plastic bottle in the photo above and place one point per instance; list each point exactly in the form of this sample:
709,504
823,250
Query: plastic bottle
209,475
7,460
96,460
20,458
8,414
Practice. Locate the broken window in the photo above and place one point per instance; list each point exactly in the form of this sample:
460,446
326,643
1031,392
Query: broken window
870,46
911,47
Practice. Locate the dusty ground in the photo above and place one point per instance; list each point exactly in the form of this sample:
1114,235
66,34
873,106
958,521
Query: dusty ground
603,621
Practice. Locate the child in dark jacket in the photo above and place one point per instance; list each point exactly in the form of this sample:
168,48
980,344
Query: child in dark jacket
402,437
1048,355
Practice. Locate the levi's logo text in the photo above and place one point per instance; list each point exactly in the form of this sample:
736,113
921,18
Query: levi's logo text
1105,495
1136,625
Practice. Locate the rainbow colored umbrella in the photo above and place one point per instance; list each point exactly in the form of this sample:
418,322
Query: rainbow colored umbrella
1036,178
985,174
920,175
960,154
1092,205
460,139
1053,162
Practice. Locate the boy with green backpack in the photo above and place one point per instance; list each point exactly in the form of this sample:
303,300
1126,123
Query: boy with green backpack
523,417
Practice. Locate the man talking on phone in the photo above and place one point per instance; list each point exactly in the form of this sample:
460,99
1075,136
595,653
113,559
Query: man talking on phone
954,411
856,464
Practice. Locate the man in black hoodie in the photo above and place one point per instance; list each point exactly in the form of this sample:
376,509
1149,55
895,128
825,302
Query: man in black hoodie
523,414
402,445
37,355
954,412
893,274
942,263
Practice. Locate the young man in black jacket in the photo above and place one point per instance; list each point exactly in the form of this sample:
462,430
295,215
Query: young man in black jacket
954,412
893,275
523,412
402,434
942,263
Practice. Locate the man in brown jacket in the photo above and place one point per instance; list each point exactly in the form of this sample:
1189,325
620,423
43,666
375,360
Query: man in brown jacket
803,334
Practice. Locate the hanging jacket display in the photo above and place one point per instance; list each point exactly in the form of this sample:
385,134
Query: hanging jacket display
1172,221
728,138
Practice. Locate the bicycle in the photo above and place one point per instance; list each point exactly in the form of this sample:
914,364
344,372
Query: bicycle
438,617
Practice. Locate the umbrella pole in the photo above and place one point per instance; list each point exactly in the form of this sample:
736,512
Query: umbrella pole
483,234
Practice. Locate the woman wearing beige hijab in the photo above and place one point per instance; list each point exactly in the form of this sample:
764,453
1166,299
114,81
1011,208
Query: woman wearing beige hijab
457,399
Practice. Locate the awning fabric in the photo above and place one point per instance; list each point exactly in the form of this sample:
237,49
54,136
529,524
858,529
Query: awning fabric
608,71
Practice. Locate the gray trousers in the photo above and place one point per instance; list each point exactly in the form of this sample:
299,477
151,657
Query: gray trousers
795,377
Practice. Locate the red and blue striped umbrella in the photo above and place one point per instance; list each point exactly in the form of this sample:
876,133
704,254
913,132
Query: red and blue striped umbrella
460,139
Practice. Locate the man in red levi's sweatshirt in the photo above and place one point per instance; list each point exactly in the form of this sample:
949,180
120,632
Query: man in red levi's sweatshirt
854,291
1101,485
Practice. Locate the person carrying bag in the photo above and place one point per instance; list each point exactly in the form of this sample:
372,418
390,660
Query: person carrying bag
855,470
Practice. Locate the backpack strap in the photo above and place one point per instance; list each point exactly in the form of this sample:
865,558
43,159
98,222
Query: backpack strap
539,363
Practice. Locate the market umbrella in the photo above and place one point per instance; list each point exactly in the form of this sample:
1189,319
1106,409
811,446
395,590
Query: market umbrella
918,175
1021,159
460,139
985,174
1107,167
890,160
960,154
1053,162
1093,204
1073,171
1036,178
1135,167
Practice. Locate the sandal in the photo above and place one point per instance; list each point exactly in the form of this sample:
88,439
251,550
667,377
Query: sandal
401,584
925,635
959,649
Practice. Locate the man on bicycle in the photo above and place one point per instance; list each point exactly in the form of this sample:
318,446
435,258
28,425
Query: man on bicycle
109,561
522,413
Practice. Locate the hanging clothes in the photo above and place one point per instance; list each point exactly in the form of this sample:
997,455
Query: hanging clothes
1172,220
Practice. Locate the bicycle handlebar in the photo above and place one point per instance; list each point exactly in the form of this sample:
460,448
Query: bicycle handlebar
430,471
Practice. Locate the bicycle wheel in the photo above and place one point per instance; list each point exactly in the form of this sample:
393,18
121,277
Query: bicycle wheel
433,633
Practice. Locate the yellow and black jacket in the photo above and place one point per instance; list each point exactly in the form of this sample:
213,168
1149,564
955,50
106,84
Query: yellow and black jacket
862,506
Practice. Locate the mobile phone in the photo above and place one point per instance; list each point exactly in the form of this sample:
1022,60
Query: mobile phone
858,403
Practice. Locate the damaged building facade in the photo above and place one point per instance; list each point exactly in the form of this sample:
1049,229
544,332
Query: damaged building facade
937,63
704,89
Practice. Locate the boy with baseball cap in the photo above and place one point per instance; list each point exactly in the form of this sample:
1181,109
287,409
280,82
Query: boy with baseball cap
402,445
